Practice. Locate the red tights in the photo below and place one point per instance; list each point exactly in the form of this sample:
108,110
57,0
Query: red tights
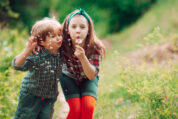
81,108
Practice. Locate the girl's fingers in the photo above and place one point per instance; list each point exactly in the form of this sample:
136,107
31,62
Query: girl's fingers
78,51
38,48
33,39
34,52
34,47
76,54
79,48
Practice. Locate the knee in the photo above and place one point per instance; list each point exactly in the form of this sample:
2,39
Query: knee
88,103
88,107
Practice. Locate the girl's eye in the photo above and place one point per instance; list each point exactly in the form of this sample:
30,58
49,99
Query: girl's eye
73,26
82,27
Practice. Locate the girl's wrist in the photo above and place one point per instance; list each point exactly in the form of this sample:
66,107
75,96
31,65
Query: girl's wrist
27,52
82,58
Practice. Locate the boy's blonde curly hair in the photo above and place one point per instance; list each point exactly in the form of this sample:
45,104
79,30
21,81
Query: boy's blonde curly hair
44,27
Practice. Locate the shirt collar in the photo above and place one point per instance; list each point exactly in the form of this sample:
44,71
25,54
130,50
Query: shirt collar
47,52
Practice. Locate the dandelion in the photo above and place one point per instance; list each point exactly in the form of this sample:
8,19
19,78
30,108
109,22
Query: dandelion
78,41
50,35
6,48
52,71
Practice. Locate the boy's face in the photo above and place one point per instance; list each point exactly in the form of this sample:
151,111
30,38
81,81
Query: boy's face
78,30
53,41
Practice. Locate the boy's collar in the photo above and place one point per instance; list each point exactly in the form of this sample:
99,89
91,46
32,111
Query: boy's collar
47,52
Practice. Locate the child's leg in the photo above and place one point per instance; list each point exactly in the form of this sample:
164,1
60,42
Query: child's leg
72,93
75,108
47,109
89,96
88,105
28,107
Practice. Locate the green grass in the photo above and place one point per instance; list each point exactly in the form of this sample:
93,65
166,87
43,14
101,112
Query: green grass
142,91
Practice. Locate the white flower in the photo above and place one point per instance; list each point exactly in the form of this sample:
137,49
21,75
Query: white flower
78,41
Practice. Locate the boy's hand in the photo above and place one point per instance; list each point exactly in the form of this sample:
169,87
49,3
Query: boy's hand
79,52
31,45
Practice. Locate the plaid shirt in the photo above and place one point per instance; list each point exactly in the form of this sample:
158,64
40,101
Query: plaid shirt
73,67
43,72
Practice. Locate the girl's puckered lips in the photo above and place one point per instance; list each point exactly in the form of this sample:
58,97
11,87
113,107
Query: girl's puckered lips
77,37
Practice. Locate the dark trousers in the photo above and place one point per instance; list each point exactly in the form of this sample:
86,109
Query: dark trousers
33,107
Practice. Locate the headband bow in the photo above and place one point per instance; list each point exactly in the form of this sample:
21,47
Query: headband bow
81,12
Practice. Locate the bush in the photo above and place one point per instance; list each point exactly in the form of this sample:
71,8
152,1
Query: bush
12,42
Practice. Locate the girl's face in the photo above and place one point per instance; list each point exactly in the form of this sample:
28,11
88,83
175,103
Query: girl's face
78,30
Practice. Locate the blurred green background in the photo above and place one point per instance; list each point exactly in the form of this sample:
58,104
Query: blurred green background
138,77
111,15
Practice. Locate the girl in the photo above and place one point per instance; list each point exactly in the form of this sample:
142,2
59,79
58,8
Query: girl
79,79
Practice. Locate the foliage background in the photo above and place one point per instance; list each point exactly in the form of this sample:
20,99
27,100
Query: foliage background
129,28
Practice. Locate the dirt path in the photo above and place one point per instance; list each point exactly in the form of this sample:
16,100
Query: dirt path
149,54
64,108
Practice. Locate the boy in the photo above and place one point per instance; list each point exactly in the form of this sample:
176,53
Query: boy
39,88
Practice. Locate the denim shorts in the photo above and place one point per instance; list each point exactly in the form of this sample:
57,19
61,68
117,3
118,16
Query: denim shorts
71,89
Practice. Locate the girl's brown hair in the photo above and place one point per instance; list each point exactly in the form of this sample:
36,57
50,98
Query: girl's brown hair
92,43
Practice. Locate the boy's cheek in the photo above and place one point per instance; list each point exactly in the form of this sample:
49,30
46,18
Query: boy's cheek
60,43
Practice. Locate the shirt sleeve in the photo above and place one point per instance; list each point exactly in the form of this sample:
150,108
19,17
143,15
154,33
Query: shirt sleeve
26,66
94,60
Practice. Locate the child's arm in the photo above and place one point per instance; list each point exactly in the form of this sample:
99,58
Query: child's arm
20,59
89,70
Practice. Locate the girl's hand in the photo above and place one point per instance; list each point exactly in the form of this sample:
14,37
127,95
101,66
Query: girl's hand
31,45
79,52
